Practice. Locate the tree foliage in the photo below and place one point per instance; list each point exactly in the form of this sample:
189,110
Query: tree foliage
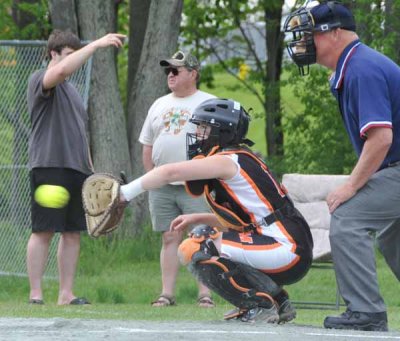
24,19
226,30
316,141
310,140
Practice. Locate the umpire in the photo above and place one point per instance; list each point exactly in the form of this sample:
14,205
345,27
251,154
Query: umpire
366,85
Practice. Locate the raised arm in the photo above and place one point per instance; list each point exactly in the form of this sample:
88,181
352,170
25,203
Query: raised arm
75,59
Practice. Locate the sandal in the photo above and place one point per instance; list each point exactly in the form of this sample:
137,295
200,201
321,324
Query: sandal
164,301
205,302
36,301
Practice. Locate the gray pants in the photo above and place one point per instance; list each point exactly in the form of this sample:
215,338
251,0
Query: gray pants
373,212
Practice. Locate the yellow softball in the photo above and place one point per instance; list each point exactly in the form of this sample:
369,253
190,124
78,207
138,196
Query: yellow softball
52,196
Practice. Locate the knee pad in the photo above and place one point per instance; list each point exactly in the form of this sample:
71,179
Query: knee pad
239,284
186,250
199,246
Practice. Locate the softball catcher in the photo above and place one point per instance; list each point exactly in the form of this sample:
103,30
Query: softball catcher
265,243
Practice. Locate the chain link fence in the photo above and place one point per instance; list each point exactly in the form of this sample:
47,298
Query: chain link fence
18,59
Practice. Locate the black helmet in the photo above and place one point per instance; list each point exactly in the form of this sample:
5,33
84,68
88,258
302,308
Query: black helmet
314,16
229,123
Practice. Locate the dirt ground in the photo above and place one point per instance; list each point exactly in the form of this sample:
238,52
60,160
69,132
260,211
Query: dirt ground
23,329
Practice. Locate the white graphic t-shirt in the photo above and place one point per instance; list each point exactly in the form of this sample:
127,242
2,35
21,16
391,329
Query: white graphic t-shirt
166,125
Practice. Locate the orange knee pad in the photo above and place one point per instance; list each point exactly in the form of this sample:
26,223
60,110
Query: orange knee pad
200,239
187,249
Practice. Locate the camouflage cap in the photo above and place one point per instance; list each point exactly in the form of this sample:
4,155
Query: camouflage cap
181,59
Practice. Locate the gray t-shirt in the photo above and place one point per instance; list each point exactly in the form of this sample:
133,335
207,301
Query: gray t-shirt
59,126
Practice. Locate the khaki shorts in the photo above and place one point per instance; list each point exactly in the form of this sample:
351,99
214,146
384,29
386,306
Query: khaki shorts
171,201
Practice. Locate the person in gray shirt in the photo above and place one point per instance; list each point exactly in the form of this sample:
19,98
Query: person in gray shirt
59,158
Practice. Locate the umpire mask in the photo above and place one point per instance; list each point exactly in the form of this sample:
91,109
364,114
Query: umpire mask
314,16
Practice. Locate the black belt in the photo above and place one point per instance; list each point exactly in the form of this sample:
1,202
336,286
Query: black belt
273,217
278,214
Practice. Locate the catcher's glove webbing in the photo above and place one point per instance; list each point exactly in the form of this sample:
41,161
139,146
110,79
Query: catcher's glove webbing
102,204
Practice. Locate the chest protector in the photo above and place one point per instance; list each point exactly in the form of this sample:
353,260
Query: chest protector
229,212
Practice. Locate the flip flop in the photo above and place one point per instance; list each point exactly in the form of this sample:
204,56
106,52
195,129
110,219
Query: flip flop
79,301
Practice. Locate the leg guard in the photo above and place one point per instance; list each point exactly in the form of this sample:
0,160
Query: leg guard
239,284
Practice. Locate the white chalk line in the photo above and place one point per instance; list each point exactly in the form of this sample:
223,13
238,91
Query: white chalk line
254,332
210,331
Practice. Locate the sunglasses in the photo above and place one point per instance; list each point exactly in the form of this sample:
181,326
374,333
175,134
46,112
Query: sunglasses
174,71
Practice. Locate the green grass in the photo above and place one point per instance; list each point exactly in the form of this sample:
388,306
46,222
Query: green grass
122,278
122,283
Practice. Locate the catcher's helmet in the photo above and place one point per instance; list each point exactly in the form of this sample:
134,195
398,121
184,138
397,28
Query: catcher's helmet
314,16
228,122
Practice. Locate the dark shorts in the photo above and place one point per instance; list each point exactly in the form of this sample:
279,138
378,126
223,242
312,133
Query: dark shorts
67,219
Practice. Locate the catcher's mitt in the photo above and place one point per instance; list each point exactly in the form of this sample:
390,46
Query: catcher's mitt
101,202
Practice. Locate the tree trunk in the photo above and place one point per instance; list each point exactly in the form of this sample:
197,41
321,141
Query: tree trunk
274,43
109,141
160,41
63,15
139,13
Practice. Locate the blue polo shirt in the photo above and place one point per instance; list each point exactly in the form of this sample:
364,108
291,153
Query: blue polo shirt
366,85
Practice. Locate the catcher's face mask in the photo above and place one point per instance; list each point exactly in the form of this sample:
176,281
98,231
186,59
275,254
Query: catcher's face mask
201,142
227,123
314,16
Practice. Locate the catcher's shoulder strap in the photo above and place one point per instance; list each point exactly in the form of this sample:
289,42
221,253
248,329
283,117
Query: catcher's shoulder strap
226,216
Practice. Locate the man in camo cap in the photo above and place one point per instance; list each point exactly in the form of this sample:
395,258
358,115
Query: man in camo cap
164,141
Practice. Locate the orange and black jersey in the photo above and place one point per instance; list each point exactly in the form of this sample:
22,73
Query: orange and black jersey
252,195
